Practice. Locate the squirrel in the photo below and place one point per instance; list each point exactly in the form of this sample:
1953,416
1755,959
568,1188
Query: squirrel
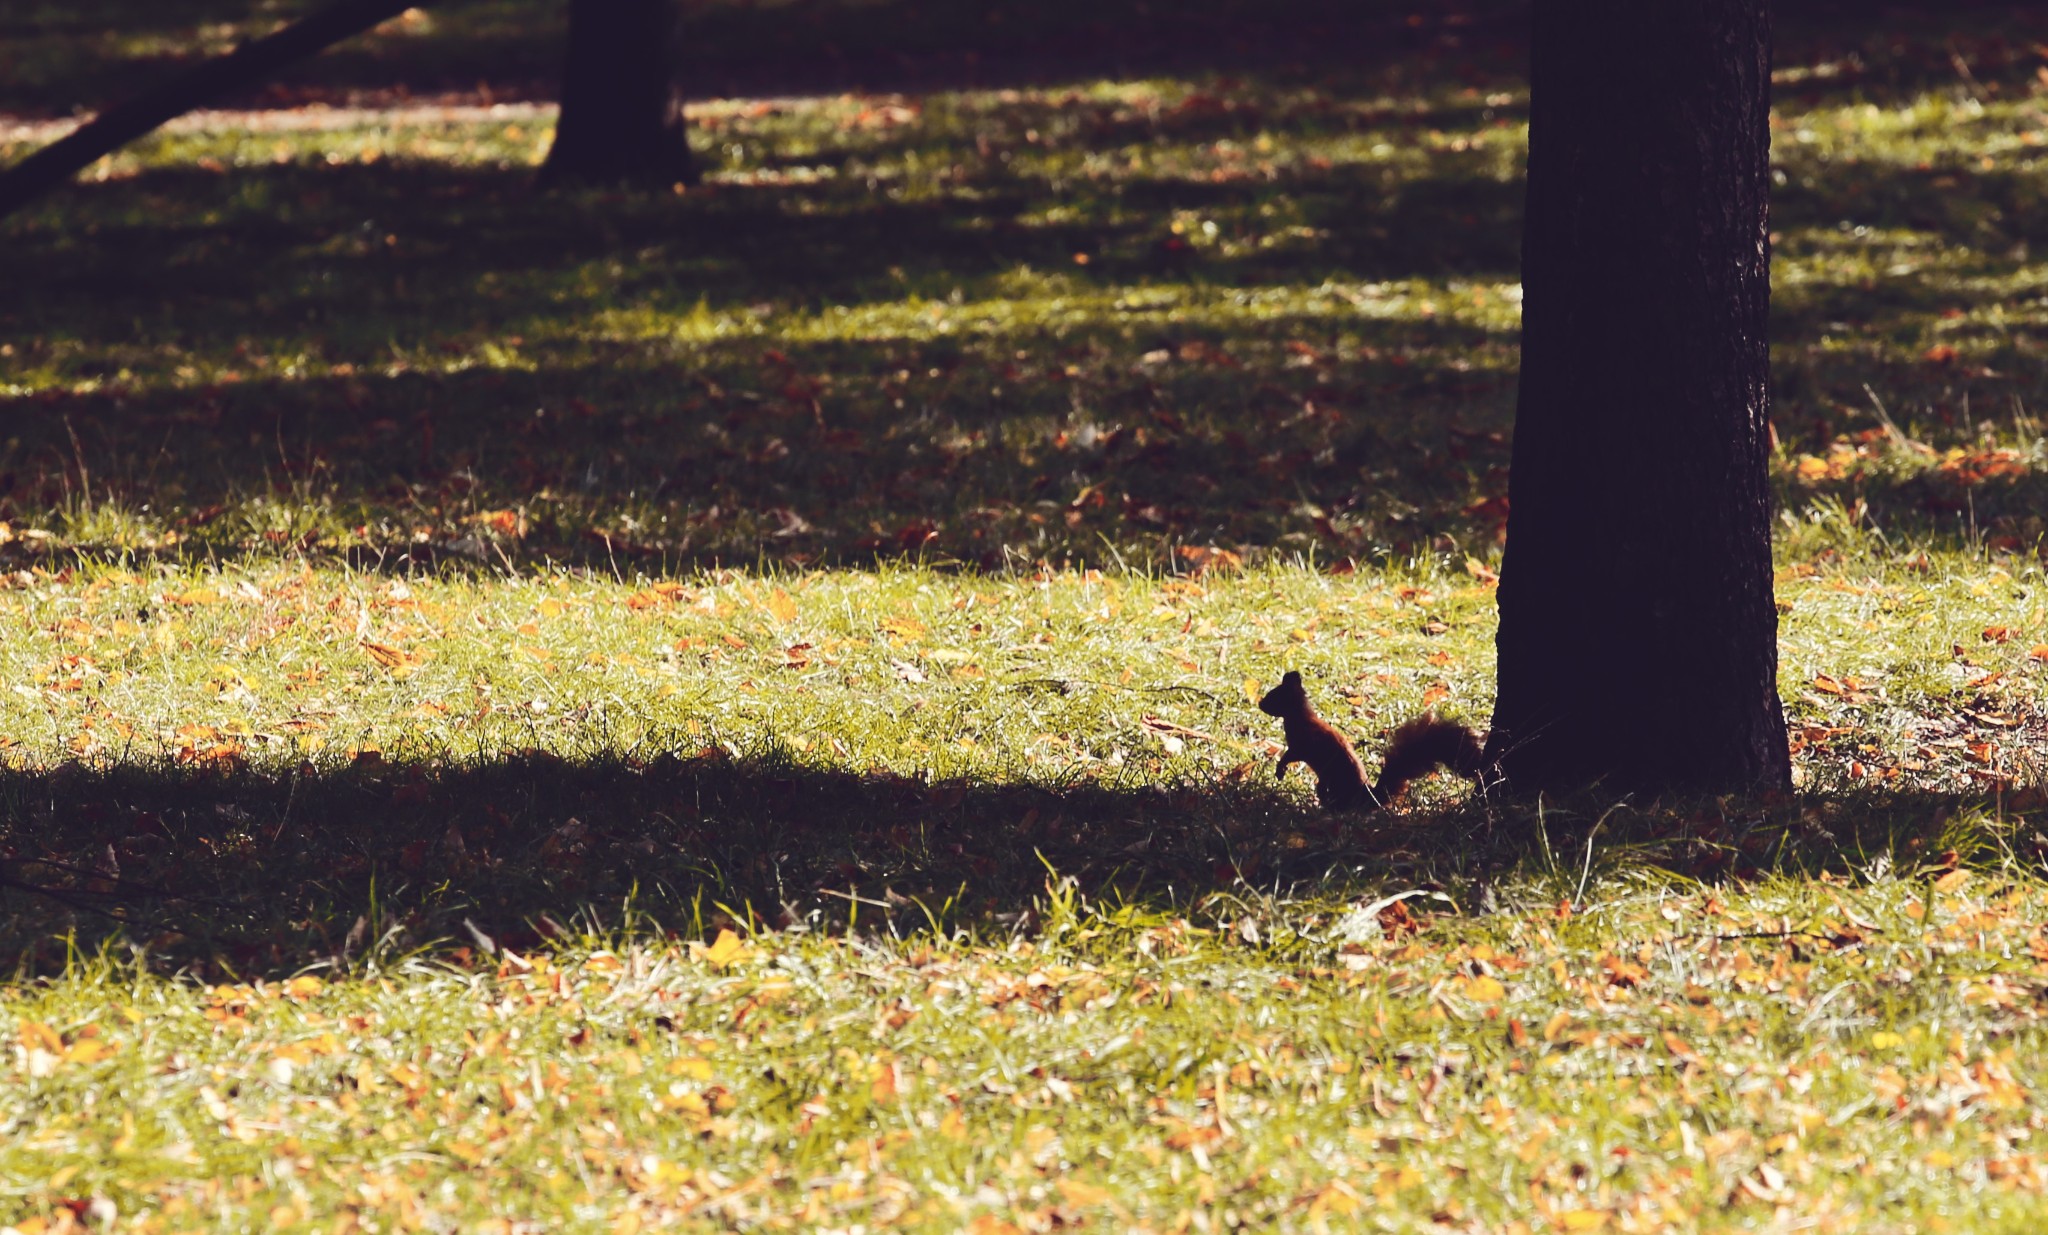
1417,748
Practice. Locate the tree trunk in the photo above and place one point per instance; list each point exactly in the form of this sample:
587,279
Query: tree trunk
622,108
1638,634
252,62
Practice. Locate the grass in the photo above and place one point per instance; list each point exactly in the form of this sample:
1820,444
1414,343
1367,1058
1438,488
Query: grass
1861,1057
436,614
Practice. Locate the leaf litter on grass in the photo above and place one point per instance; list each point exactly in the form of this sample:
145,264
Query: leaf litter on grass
1847,1055
370,607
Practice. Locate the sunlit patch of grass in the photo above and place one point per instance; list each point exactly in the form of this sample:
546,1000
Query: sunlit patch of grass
942,676
399,563
1664,1052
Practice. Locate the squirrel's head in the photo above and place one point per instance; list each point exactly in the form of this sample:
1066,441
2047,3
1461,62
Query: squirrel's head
1285,699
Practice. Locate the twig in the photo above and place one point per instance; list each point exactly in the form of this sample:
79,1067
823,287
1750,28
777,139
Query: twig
857,899
1838,939
1586,872
121,885
1063,684
58,896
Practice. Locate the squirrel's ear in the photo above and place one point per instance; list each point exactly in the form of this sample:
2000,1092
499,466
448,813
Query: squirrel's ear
1292,679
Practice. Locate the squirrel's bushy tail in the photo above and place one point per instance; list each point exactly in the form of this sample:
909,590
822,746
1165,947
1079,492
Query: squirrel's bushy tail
1423,745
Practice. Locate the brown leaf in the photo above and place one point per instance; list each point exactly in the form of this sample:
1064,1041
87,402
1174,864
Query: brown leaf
386,655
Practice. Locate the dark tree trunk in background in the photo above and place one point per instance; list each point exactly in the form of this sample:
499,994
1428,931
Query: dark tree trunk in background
622,108
1638,634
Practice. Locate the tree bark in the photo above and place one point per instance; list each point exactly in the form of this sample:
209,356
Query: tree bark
1638,633
622,107
254,61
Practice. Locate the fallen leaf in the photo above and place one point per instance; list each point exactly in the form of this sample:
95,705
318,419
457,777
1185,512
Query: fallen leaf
1485,989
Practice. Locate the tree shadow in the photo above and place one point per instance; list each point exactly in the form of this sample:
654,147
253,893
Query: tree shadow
510,49
728,456
1031,430
232,872
431,249
1018,362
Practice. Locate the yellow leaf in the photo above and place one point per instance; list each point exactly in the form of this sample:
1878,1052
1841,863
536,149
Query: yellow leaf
1885,1041
1941,1159
1485,989
695,1069
305,986
126,1141
688,1103
1251,690
1584,1220
782,606
1951,881
1337,1199
88,1050
953,1125
724,950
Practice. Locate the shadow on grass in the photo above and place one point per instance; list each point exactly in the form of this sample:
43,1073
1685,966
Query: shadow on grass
1014,442
369,359
241,873
1044,426
511,48
411,252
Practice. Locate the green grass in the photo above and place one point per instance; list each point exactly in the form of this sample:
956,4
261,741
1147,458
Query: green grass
873,554
1857,1056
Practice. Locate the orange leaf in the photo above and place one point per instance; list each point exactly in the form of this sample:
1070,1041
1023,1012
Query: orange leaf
1078,1193
888,1083
385,655
906,628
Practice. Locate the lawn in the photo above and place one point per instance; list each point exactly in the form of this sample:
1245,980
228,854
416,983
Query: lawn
734,709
